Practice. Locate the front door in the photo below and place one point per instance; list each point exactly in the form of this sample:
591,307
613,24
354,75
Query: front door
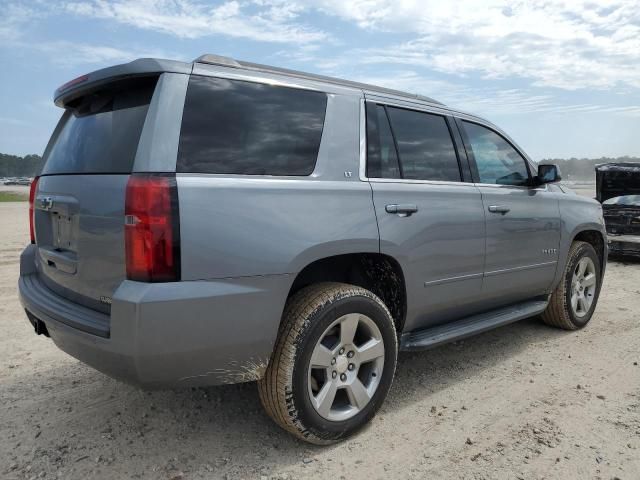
522,221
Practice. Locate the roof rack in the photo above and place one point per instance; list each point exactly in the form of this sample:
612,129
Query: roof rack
230,62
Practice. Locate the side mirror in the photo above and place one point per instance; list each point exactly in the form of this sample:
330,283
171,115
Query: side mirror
548,174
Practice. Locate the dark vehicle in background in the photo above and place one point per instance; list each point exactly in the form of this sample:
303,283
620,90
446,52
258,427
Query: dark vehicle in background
618,189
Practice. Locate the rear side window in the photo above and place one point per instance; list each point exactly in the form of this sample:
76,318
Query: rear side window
237,127
497,161
99,132
425,145
382,158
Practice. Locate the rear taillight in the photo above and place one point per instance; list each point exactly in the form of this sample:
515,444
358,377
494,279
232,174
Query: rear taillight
32,199
152,229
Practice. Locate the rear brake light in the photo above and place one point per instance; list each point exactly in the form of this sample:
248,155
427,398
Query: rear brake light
152,229
32,199
71,83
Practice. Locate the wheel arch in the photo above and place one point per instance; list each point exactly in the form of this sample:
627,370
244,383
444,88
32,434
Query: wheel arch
591,234
379,273
597,240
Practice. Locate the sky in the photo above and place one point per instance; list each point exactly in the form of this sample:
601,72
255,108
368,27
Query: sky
561,77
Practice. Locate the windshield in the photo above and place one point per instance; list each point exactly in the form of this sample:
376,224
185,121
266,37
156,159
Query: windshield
628,200
99,133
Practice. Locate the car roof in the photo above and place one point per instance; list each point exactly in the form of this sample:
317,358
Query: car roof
146,66
154,65
230,62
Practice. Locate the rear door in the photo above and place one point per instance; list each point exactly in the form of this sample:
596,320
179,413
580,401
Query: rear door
430,219
523,221
79,206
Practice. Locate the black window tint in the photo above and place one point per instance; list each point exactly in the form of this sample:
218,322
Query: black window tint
382,158
497,161
425,146
236,127
100,131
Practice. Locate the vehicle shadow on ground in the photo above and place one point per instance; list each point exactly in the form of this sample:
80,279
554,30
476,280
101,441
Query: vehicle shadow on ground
219,429
624,259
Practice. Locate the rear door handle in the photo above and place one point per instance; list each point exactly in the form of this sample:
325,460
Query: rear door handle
499,209
402,209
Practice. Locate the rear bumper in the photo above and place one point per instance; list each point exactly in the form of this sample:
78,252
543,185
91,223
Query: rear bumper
624,244
167,334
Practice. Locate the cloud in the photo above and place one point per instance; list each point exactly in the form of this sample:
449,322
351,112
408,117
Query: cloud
492,101
570,44
14,18
67,53
266,21
13,121
567,45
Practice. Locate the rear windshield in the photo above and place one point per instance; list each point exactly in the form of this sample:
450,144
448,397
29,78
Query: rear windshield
99,133
237,127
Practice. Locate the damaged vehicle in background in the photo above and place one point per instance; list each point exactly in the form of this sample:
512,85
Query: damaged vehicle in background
618,189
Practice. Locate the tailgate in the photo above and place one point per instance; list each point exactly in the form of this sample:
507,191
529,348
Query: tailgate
80,200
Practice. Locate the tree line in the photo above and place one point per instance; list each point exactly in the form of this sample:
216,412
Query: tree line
14,166
571,168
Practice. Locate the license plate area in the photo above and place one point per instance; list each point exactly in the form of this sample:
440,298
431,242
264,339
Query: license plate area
63,230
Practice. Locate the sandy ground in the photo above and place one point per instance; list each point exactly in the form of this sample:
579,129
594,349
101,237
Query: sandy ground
524,401
14,188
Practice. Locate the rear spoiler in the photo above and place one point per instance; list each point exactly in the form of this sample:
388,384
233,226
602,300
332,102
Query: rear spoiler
141,67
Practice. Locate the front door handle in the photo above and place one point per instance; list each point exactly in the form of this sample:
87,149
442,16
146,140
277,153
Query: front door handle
499,209
402,209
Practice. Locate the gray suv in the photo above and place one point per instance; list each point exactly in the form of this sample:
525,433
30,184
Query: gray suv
219,221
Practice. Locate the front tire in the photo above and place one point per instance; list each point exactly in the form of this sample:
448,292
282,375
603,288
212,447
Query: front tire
333,363
574,300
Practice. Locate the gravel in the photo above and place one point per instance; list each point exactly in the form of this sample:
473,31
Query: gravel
61,419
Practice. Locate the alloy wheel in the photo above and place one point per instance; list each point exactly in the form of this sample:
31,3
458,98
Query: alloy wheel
583,286
346,367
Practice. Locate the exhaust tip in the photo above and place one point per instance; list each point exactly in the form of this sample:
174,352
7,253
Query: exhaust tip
38,325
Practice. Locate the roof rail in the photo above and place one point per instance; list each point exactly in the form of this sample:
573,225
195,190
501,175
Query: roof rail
216,60
230,62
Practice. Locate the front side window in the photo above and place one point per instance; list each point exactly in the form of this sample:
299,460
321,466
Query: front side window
497,161
425,146
237,127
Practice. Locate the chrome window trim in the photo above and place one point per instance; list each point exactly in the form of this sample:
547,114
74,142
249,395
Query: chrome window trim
543,187
273,79
415,104
363,141
363,146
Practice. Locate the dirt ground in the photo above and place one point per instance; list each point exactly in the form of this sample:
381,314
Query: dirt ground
521,402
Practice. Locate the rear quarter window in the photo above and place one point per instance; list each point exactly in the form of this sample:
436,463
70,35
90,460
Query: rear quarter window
237,127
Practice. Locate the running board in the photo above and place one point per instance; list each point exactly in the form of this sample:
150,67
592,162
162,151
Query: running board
466,327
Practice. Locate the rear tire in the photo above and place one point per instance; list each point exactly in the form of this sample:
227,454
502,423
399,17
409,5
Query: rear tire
333,363
574,300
